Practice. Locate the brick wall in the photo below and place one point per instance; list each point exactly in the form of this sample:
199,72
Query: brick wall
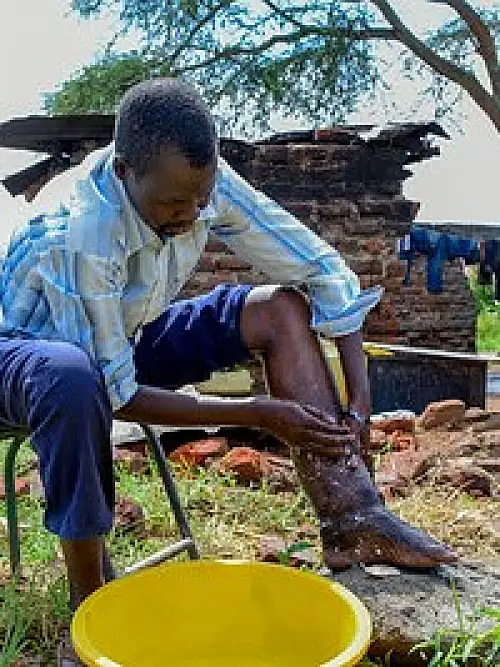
349,190
347,186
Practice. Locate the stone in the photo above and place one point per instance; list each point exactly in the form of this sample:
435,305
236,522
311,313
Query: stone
280,473
303,558
132,460
378,439
271,548
474,415
129,518
491,424
467,477
490,464
442,413
246,464
198,452
391,485
409,608
389,424
406,466
401,442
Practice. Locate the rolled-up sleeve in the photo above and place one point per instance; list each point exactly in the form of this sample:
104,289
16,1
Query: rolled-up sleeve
84,297
270,238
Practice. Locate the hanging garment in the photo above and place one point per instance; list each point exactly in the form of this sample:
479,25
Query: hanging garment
438,248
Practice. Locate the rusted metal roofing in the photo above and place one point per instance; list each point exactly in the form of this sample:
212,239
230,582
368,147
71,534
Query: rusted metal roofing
62,137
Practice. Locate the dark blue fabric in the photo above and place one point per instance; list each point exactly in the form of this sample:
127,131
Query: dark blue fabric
193,338
55,389
438,247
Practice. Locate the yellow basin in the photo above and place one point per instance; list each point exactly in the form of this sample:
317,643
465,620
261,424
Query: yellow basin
221,614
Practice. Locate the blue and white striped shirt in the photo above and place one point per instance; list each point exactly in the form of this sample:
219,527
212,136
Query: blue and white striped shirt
85,268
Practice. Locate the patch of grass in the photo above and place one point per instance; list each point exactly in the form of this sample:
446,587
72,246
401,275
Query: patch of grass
228,521
14,625
467,524
467,644
488,317
33,615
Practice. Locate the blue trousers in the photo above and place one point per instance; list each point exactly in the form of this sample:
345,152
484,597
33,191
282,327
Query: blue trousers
58,392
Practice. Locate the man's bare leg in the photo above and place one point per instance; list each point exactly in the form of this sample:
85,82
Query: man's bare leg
84,563
355,525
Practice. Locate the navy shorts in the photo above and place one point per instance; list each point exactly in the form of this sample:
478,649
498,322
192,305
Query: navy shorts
192,339
55,389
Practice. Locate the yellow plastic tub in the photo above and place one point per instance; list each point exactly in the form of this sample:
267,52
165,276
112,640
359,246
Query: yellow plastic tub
221,614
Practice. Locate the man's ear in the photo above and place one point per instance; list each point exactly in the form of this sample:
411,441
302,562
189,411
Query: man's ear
120,166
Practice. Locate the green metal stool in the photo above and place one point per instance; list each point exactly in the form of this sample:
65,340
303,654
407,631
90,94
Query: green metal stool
186,542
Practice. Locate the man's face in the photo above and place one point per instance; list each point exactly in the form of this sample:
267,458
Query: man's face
170,197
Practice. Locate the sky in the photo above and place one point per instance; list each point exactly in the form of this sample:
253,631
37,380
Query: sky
42,44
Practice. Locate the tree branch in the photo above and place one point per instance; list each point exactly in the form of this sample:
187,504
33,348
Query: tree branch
232,52
284,14
486,43
488,103
196,28
373,33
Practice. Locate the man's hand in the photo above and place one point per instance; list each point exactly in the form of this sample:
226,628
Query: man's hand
307,428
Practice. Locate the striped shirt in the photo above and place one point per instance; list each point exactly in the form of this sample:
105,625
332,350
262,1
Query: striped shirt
85,268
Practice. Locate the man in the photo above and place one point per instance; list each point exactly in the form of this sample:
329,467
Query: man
90,331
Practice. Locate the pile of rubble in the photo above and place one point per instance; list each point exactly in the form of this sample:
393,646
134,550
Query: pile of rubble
447,444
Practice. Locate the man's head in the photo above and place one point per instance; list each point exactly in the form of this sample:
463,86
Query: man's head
166,152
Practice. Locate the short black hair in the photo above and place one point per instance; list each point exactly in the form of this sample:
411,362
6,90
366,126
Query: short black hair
164,113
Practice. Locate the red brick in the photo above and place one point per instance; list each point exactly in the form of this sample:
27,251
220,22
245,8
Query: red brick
247,464
401,442
378,439
468,478
395,269
374,246
22,487
401,424
442,413
196,453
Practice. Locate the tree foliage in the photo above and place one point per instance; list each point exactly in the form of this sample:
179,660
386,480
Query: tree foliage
310,58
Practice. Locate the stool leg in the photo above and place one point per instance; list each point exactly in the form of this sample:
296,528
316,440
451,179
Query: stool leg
171,489
10,499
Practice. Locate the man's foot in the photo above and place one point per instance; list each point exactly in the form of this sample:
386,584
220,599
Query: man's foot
66,654
375,535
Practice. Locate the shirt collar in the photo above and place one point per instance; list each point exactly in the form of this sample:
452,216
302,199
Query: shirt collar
139,233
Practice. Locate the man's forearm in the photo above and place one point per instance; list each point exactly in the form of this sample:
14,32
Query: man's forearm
353,364
169,408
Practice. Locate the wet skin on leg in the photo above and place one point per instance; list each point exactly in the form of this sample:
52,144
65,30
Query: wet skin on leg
355,525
